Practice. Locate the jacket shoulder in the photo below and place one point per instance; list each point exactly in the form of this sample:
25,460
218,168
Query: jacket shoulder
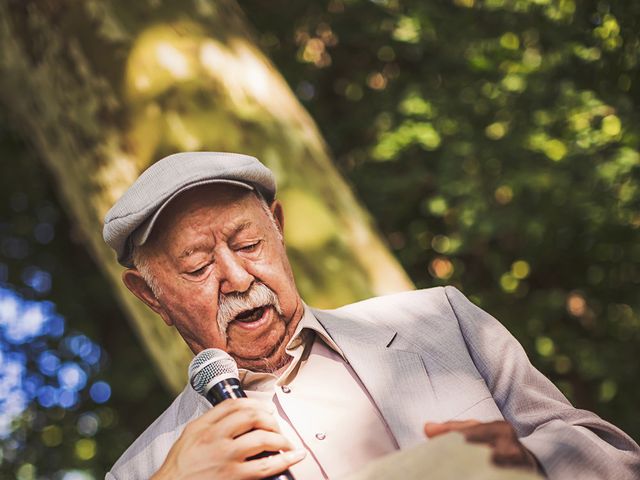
431,304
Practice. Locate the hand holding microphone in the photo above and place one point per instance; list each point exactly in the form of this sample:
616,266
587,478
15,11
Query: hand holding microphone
229,440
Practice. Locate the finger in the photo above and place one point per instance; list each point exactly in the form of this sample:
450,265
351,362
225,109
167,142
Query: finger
432,429
224,409
489,433
258,441
509,456
263,467
512,453
243,421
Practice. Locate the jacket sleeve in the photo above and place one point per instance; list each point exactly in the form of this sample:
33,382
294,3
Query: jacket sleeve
569,443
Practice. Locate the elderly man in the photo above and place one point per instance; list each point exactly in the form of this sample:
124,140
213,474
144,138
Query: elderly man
201,237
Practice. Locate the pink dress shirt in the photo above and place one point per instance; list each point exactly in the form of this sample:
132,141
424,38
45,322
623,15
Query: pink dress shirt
322,406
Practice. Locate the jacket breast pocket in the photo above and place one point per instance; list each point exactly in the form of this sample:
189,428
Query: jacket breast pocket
468,399
484,410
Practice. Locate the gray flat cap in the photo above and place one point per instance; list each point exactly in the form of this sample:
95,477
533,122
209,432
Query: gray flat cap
131,219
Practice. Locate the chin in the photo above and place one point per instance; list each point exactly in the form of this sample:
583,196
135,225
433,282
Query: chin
269,363
268,354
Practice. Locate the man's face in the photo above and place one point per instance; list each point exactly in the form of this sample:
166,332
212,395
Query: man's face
217,242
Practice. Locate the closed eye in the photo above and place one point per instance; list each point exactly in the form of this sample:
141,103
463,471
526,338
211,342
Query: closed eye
198,272
251,247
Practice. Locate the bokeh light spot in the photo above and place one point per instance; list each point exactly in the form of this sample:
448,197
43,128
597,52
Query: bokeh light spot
555,149
44,233
26,471
441,267
67,398
48,363
441,243
37,279
55,326
88,424
510,41
305,90
100,392
520,269
377,81
611,125
77,475
85,449
437,206
562,364
576,304
496,130
608,390
386,53
407,30
47,396
508,282
503,194
71,376
51,435
545,346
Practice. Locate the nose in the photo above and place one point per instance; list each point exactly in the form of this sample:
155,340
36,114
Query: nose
233,276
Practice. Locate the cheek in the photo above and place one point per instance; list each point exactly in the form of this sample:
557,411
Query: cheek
192,304
275,264
276,276
195,320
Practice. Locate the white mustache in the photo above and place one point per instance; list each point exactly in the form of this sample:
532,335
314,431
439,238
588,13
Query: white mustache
232,304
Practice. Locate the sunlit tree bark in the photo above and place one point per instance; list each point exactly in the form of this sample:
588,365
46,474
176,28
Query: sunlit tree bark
103,89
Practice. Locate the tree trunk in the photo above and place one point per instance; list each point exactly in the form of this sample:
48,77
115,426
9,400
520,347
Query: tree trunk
103,89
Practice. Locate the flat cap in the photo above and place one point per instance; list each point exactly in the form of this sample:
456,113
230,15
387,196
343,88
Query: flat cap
131,219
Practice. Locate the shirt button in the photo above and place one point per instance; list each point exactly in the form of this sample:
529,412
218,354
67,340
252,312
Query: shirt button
320,436
286,389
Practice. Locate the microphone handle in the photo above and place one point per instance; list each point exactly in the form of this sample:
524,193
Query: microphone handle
231,388
224,390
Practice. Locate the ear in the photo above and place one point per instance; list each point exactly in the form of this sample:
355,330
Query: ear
278,214
139,287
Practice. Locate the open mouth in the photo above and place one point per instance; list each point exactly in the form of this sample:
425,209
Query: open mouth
252,315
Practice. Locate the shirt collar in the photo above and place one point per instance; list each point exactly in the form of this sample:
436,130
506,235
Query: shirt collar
310,324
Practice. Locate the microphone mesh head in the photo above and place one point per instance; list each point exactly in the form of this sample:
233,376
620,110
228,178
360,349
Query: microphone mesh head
209,367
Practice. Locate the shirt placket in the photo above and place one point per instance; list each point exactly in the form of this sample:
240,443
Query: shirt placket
309,430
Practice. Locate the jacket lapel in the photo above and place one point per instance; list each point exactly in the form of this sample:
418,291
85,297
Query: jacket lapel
395,378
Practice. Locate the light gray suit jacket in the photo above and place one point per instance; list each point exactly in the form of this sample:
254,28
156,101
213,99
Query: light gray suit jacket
432,355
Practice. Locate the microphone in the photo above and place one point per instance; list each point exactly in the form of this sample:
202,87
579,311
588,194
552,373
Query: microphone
214,375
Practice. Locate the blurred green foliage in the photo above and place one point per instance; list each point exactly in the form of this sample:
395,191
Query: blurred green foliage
496,144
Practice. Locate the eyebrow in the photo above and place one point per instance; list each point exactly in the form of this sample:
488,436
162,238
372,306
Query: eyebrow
199,247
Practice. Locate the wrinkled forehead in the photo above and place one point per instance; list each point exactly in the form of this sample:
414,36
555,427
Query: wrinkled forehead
226,202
